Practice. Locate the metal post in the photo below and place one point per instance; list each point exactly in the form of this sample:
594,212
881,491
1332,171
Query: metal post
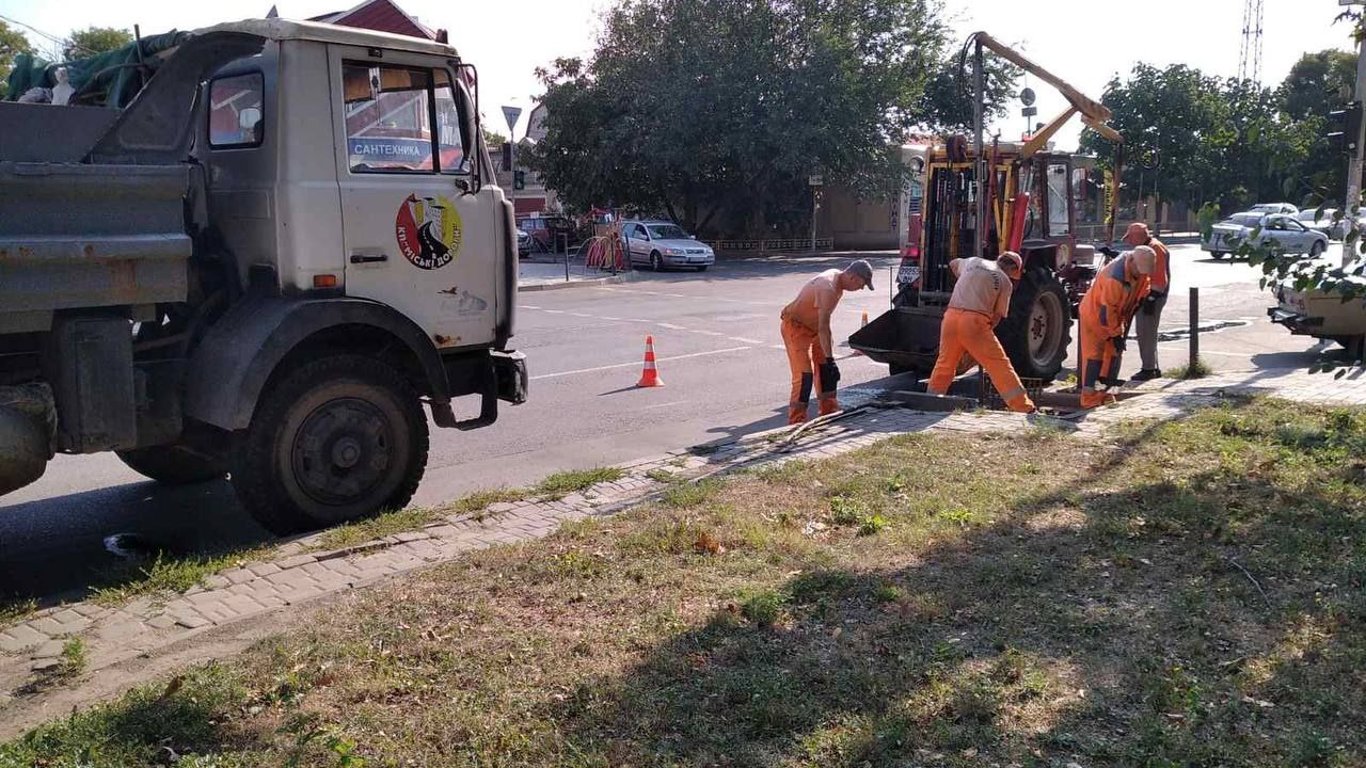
512,182
566,257
980,215
1195,327
815,204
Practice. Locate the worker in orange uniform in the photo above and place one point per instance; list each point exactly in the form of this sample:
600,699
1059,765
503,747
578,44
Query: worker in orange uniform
1115,295
1150,312
806,334
980,300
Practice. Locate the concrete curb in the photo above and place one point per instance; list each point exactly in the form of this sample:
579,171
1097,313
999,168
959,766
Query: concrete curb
624,277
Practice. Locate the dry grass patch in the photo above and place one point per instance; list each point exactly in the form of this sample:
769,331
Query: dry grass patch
1027,599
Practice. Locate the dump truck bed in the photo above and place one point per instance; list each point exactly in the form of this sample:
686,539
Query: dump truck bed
80,235
905,338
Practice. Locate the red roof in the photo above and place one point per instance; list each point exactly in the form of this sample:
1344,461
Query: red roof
380,16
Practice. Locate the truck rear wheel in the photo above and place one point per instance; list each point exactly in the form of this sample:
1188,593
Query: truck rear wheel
1039,328
174,465
337,439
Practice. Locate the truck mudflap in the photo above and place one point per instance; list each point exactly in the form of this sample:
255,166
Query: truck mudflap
1296,323
493,376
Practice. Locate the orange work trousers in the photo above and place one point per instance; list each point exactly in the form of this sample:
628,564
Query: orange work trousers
1098,359
804,356
964,332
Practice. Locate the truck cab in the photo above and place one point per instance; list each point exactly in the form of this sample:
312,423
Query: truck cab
287,244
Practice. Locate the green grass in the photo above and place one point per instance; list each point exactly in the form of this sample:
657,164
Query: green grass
168,574
561,484
1197,370
413,518
1029,600
14,610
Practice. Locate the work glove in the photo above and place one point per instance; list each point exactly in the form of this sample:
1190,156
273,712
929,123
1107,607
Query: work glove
830,375
1119,344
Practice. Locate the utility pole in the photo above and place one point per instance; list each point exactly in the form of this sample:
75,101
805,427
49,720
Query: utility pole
1354,169
980,216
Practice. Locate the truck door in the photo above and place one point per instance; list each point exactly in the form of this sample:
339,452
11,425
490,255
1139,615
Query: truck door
414,238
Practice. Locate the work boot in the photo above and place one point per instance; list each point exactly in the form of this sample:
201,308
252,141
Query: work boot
829,405
796,414
1096,399
1147,374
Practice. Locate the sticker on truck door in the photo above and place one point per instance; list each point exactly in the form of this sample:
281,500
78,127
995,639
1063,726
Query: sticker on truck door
428,231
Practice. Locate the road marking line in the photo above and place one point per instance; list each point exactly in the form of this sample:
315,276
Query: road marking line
744,340
672,327
609,319
554,311
709,333
635,363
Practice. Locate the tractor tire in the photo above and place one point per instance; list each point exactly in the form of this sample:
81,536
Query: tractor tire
174,465
1036,333
337,439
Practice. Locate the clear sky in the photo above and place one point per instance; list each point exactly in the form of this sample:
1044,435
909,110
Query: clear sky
1082,41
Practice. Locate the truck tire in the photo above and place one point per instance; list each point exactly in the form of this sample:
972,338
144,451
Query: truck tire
337,439
174,465
1036,333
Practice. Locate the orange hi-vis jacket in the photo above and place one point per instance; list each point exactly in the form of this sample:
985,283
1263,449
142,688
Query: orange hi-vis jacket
1114,296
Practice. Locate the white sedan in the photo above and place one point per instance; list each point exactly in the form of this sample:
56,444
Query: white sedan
1283,230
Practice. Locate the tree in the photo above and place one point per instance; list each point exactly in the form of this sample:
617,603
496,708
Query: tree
95,40
12,43
716,111
1318,83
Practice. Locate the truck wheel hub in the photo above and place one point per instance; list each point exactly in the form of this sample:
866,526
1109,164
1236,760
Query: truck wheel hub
342,451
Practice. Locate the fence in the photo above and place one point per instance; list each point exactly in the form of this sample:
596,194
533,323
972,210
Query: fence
792,244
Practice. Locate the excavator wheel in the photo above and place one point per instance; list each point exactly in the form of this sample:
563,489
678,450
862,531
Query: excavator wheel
1036,333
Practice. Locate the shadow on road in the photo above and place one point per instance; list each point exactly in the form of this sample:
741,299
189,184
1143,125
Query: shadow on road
54,549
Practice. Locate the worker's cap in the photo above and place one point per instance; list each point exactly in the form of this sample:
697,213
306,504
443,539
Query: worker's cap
1011,262
1137,233
864,270
1144,259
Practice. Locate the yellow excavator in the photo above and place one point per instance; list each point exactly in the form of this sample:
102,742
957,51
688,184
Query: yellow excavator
981,198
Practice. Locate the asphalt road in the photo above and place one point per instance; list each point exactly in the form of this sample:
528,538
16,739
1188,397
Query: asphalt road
720,356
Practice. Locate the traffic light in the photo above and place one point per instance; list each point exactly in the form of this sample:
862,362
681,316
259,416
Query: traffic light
1344,128
519,179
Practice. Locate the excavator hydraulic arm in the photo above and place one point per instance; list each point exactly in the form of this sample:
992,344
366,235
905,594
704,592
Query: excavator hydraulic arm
1093,113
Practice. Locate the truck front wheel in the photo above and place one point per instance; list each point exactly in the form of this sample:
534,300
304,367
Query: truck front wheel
174,465
336,439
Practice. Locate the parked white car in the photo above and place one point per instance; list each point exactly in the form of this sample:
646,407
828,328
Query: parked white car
1275,208
1285,231
661,244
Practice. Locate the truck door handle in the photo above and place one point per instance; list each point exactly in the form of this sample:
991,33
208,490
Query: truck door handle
361,258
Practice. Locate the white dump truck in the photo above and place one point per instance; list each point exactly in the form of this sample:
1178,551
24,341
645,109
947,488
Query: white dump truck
264,266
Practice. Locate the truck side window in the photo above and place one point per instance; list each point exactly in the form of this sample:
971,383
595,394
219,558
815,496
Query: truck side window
450,123
1057,199
236,119
397,122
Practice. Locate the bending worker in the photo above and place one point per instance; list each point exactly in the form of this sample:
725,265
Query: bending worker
1106,310
806,334
981,299
1150,312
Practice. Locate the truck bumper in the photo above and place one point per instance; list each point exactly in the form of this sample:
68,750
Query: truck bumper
1296,323
493,376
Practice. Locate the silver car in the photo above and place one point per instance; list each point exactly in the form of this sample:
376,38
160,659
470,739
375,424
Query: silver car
1281,229
1336,230
662,244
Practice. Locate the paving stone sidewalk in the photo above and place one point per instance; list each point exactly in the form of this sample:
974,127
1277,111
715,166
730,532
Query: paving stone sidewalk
299,572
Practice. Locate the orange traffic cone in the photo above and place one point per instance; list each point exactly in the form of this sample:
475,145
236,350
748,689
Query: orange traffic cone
857,353
649,377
